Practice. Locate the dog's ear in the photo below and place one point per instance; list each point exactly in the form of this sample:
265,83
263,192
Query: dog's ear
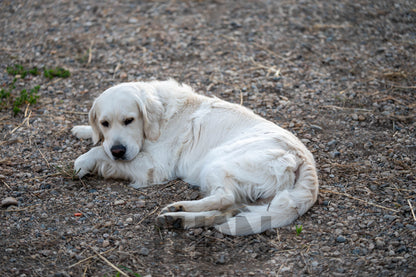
151,109
92,117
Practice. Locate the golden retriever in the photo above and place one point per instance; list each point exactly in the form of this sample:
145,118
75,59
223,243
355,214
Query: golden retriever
255,175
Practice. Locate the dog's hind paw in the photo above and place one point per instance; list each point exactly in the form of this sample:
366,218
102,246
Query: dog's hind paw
172,208
168,221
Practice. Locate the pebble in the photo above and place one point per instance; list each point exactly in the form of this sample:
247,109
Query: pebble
335,154
341,239
380,243
119,202
141,204
9,201
144,251
316,127
332,143
106,243
123,75
198,231
221,259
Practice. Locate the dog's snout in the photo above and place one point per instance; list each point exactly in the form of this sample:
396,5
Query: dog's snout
118,151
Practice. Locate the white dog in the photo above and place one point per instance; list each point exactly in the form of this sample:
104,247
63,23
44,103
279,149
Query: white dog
255,174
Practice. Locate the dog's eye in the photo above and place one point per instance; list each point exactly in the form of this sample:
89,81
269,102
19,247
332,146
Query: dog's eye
105,123
128,121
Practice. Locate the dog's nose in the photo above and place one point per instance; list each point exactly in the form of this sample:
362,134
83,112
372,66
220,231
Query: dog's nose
118,151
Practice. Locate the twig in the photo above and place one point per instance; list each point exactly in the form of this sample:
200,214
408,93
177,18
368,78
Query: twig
28,115
18,126
343,108
109,263
241,98
89,258
85,271
358,199
405,87
7,185
90,52
43,156
411,209
116,69
146,216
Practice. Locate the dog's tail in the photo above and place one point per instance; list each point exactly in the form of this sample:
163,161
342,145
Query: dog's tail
285,207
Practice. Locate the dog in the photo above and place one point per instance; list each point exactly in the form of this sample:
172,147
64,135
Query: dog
255,174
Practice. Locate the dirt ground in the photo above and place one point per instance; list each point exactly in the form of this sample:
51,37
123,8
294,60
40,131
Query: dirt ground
339,74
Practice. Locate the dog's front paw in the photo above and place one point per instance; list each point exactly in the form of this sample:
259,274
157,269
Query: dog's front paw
83,165
175,207
170,221
82,131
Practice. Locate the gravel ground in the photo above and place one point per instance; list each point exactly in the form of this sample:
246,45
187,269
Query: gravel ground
339,74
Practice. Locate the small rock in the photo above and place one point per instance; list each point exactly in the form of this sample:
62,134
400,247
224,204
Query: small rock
144,251
316,127
106,243
197,231
133,20
221,259
332,143
341,239
123,75
45,253
354,117
119,202
141,204
380,243
335,154
9,201
129,220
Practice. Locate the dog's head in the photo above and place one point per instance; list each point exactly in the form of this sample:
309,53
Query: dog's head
124,116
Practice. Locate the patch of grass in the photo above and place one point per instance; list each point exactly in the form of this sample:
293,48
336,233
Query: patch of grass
6,93
68,171
299,229
25,98
19,70
56,72
15,102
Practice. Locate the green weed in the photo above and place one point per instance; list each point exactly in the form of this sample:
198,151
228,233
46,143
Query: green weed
299,229
57,72
15,102
25,98
19,70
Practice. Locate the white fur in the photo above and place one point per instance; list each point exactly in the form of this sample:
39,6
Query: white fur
255,174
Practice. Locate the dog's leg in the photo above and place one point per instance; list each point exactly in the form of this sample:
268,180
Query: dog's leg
82,131
88,162
220,200
185,220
